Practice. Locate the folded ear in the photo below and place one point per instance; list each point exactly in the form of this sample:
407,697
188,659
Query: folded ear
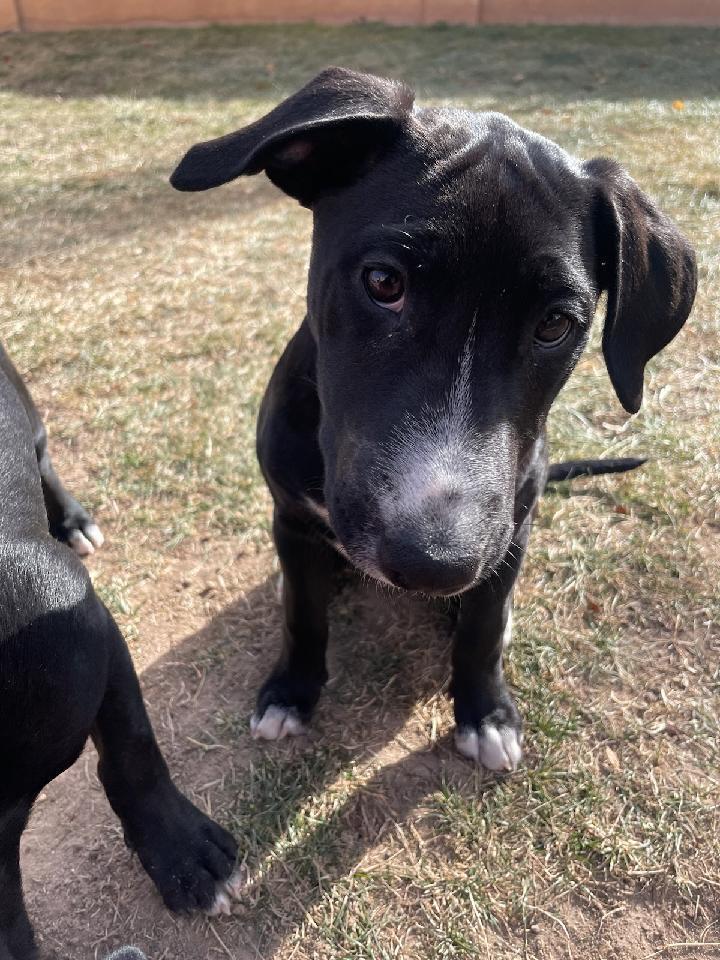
647,268
318,139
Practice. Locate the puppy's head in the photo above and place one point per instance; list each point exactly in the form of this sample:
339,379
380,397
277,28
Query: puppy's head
456,266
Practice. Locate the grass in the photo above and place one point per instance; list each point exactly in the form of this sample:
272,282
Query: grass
147,324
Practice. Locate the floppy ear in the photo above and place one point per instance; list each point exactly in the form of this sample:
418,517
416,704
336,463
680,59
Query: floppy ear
648,269
317,139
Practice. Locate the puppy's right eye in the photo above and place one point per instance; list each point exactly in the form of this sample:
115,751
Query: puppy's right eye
385,286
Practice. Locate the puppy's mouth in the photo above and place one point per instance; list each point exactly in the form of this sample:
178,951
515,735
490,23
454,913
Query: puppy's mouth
442,577
397,581
434,580
432,570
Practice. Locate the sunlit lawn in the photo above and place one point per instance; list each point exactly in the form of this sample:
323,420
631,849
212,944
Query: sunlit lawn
148,322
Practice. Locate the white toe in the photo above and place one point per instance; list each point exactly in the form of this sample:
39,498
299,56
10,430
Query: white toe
512,740
466,740
95,535
236,884
276,723
221,905
496,748
80,544
499,747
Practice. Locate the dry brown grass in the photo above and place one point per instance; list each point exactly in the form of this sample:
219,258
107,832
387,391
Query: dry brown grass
147,324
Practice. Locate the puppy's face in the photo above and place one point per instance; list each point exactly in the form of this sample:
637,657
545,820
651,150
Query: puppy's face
451,291
456,265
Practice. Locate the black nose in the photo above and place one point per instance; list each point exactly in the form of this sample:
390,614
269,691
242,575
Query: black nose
413,565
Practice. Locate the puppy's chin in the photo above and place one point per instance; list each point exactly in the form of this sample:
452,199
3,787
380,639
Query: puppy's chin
375,574
362,553
364,560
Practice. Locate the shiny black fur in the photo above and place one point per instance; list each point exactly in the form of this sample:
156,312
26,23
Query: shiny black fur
66,675
411,444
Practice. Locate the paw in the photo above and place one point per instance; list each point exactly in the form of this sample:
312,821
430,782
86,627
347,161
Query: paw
231,889
285,704
495,747
275,723
77,529
86,540
489,729
190,858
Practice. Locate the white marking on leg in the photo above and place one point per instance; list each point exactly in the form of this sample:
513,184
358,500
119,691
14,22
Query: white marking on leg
279,588
80,544
496,748
507,632
127,953
276,723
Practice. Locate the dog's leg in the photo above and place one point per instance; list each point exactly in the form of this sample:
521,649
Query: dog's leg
68,521
188,856
16,936
488,723
289,695
489,727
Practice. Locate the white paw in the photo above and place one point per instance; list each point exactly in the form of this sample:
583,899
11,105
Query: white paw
229,890
276,723
87,541
496,748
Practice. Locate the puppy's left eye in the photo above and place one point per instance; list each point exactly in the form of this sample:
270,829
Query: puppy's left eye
553,330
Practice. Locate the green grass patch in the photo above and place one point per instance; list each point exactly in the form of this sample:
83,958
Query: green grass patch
148,324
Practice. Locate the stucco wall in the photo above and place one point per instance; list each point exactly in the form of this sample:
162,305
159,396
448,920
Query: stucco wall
8,15
67,14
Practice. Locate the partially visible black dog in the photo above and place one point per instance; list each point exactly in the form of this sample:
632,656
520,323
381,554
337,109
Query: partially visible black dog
65,675
456,266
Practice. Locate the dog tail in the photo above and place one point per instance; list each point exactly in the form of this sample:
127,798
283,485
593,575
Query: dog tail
570,469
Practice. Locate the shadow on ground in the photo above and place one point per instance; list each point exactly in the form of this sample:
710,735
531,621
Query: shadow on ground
200,696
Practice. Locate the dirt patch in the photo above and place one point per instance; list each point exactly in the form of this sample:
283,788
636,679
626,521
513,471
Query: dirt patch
642,926
87,894
204,655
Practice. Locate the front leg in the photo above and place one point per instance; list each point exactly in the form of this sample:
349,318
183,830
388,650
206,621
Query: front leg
68,521
16,936
489,727
189,857
288,697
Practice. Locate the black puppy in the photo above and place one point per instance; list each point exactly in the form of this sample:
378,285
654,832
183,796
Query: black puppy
456,266
66,674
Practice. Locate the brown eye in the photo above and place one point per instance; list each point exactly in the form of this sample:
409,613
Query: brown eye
553,330
385,286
